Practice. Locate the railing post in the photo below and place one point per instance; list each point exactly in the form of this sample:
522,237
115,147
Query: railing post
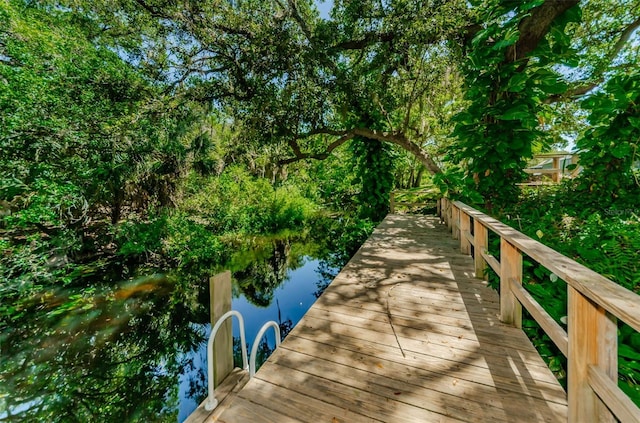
455,221
592,342
465,226
220,298
555,177
439,207
392,202
480,245
510,269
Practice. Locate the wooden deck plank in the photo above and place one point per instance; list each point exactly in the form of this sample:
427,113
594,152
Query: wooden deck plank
427,390
417,329
365,399
302,407
246,411
436,346
404,333
380,358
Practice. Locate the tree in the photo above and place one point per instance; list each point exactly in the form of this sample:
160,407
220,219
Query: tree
519,62
291,77
297,81
83,136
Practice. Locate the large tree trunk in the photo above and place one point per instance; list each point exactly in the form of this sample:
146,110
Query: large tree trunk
534,27
418,180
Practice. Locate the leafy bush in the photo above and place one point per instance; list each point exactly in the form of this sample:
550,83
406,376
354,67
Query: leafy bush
141,237
191,245
237,202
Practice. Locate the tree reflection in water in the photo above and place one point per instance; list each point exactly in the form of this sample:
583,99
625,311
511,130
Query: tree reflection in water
114,352
97,354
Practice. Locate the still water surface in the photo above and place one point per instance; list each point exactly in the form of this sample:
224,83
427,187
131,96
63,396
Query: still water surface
134,350
291,300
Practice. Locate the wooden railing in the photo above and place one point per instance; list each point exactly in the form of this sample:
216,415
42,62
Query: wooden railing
590,342
556,171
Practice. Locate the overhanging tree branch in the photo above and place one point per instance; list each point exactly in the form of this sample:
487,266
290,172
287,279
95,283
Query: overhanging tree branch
397,138
582,88
295,13
299,155
368,39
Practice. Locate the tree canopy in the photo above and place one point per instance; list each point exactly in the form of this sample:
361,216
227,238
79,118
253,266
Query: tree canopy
394,71
158,133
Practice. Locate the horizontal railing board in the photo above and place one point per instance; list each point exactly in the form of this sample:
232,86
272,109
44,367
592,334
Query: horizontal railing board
491,261
545,171
616,400
557,334
619,301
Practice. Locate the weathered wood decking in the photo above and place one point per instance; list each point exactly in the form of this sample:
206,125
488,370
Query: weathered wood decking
404,333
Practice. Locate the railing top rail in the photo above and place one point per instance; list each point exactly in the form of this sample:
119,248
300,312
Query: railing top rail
617,300
552,155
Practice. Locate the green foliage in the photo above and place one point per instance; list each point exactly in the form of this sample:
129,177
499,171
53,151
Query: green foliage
610,146
497,131
240,203
47,203
375,177
416,200
453,182
189,243
138,238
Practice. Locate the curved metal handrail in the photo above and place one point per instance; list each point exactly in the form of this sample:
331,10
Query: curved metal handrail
256,342
211,402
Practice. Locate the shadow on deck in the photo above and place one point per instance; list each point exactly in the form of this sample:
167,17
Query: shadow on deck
404,333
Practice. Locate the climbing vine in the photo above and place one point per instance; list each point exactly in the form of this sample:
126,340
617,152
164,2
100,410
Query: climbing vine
609,148
497,131
375,176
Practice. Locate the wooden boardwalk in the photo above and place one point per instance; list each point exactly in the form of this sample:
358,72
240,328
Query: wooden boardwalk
404,333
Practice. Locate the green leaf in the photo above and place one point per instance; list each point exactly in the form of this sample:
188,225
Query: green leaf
634,121
464,118
621,150
574,14
482,36
557,87
627,352
510,38
517,82
518,112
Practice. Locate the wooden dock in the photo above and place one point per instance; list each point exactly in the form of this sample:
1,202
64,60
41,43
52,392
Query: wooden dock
404,333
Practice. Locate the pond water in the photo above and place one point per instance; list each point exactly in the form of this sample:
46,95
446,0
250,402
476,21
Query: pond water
135,350
291,300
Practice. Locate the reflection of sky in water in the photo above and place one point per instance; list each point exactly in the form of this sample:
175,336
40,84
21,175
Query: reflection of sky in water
295,296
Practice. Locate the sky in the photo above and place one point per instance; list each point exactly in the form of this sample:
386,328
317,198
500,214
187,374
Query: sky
324,6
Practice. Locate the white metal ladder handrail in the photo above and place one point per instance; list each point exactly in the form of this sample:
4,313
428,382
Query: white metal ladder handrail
211,402
254,347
